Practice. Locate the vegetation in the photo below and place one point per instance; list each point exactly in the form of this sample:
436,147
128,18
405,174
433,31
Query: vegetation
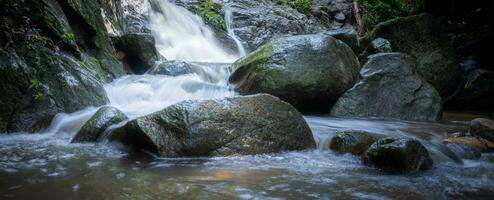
37,89
303,6
209,10
378,11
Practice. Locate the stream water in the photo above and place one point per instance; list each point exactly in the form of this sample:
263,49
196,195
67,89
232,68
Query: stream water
47,166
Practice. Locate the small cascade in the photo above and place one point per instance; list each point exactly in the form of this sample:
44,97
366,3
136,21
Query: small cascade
181,35
231,32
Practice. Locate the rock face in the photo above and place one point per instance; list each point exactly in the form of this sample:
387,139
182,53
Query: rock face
354,142
140,51
308,71
92,130
60,67
424,38
238,125
256,22
398,155
483,128
390,88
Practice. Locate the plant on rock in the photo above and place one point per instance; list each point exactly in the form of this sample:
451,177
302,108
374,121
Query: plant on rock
382,10
209,10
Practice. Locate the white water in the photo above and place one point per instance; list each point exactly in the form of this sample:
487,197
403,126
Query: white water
231,32
181,35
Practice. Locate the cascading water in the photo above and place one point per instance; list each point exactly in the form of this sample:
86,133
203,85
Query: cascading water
181,35
231,32
31,165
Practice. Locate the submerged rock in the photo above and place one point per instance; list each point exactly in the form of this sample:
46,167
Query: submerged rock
237,125
479,144
354,142
464,151
398,155
93,129
483,128
140,51
308,71
424,38
390,88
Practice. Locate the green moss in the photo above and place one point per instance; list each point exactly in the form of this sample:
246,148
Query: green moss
209,11
382,10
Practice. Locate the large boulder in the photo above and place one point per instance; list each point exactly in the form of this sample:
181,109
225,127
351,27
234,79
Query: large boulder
398,155
308,71
140,51
354,142
55,57
483,128
93,129
237,125
390,88
41,83
425,38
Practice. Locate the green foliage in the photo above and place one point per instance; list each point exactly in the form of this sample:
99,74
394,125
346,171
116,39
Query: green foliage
302,6
37,89
209,10
68,37
376,11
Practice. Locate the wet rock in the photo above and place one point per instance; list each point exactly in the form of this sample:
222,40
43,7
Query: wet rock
354,142
93,129
424,38
348,36
477,92
479,144
308,71
398,155
173,68
238,125
256,22
464,151
60,66
140,51
390,88
41,83
483,128
380,45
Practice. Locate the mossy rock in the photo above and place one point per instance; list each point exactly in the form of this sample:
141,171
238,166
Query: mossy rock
425,38
308,71
231,126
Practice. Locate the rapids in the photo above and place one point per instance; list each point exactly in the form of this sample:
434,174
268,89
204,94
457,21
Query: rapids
47,166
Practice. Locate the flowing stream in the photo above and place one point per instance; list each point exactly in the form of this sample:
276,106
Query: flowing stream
47,166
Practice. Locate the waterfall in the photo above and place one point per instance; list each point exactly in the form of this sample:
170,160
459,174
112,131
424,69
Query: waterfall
181,35
231,33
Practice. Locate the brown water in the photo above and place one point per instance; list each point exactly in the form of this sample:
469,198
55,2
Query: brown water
47,166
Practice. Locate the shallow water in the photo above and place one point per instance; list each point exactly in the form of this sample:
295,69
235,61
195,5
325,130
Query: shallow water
47,166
